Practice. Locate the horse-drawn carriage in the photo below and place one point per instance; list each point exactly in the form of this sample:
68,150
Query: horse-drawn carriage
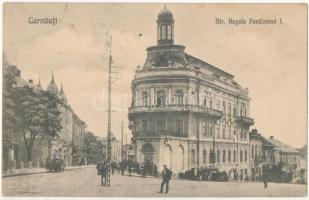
55,165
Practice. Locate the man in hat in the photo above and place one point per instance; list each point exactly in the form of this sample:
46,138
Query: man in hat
166,177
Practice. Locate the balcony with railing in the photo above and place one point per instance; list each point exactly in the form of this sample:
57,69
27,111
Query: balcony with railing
176,108
159,134
245,120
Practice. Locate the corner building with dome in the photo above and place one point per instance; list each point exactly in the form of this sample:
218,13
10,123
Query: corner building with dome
186,113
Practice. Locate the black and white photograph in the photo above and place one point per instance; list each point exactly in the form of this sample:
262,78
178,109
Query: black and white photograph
154,99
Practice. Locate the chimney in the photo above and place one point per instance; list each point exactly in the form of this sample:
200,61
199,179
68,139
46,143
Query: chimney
271,137
31,81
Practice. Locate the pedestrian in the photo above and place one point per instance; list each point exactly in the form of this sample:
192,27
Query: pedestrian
155,170
99,168
144,171
103,174
122,168
265,179
130,169
166,177
113,168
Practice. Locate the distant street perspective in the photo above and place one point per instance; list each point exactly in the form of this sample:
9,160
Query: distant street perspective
86,183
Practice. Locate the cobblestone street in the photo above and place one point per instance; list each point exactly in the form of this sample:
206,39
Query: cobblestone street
85,182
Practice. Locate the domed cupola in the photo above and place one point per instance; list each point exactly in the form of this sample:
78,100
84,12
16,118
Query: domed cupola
52,87
165,27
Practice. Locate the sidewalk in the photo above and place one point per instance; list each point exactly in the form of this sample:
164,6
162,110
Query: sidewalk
28,171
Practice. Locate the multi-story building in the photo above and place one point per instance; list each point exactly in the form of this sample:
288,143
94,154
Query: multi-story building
286,161
62,146
129,152
70,146
256,153
115,148
187,113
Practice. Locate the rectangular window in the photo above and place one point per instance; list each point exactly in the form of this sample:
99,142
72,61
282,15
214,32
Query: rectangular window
161,126
229,133
204,131
170,127
144,125
223,107
230,109
179,127
218,131
223,133
218,104
210,129
152,126
138,126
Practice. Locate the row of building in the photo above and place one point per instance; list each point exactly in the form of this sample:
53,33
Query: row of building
187,113
69,146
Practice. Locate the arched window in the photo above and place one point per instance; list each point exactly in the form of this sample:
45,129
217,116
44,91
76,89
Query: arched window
204,156
192,156
245,156
160,99
163,31
240,155
229,156
223,159
169,32
218,156
145,99
234,157
179,97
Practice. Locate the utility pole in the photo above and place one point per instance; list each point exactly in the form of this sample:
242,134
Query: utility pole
109,134
121,141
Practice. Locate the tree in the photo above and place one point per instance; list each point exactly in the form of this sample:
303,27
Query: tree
9,116
52,118
93,148
38,114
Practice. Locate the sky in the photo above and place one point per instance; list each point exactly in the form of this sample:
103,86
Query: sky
269,60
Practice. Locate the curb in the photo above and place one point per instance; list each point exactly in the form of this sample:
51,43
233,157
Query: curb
43,171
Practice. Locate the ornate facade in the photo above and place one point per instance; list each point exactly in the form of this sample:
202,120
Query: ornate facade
70,145
72,132
187,113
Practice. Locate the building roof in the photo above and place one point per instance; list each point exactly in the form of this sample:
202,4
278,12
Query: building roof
191,59
52,87
303,151
282,146
165,14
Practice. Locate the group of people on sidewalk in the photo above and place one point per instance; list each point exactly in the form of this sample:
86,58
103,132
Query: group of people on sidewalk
102,169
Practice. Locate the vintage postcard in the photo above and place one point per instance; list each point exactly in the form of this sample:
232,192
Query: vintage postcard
154,100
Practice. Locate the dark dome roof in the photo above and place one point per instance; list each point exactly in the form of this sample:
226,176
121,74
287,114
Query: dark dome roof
165,14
